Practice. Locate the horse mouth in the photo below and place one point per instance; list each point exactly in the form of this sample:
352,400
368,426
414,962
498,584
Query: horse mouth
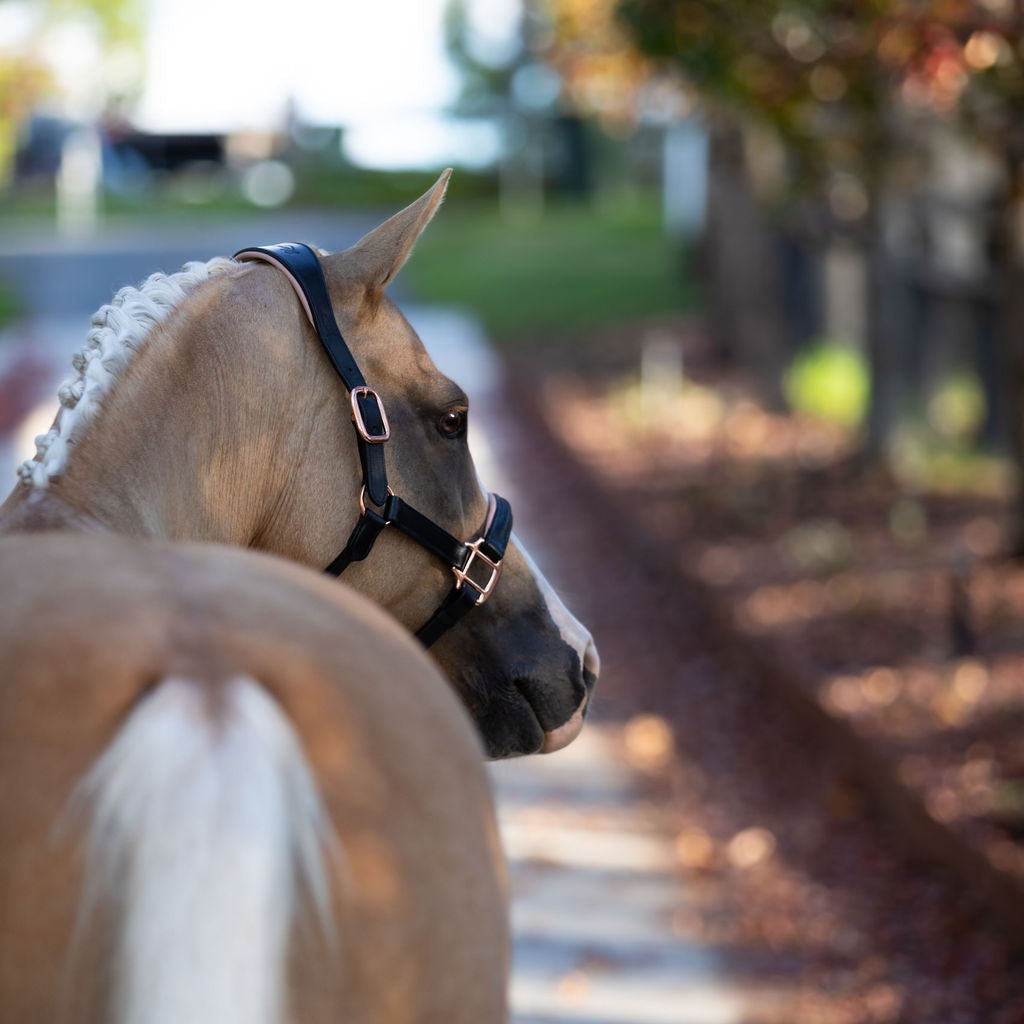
533,718
555,739
525,734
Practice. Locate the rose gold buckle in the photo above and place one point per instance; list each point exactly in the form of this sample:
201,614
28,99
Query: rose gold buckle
483,590
357,415
362,499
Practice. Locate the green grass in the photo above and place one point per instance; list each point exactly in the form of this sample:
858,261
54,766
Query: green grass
10,307
39,209
572,269
326,186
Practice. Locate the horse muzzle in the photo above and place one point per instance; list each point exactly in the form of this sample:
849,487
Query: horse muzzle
563,735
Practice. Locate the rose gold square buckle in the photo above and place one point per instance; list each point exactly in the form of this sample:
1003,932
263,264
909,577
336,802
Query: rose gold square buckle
357,415
483,590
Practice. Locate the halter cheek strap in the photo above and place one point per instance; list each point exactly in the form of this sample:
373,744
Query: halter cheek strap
302,268
476,564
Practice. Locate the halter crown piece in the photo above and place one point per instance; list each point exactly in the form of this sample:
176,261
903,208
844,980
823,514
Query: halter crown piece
475,564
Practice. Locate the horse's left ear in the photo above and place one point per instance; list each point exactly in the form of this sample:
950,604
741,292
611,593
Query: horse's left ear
377,257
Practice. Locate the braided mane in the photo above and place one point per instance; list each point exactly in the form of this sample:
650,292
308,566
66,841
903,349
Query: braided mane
119,331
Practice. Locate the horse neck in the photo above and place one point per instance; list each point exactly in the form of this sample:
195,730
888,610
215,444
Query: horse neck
202,436
173,454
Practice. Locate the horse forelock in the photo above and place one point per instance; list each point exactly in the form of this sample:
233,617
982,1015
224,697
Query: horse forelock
119,331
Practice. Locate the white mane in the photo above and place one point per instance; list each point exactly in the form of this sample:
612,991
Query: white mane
119,330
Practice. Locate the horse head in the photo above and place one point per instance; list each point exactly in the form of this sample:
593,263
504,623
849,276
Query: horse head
523,665
231,424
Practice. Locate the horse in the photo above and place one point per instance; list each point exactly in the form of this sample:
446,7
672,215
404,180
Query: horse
205,409
232,787
233,790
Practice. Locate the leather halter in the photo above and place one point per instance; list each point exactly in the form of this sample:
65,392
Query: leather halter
476,564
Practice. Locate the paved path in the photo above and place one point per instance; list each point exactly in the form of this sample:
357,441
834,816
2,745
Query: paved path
34,358
593,873
595,882
595,892
55,276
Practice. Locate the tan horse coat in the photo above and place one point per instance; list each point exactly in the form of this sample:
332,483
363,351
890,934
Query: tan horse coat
99,629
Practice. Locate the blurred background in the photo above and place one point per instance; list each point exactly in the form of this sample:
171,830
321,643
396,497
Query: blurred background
753,272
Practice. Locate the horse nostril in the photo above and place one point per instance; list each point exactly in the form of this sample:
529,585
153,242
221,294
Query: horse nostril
591,664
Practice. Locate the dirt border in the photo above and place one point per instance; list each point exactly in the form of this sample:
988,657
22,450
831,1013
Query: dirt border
927,837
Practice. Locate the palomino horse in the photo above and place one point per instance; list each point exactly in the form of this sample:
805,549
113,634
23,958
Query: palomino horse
232,792
206,409
212,718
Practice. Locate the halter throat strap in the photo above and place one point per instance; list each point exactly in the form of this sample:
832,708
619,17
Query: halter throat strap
476,564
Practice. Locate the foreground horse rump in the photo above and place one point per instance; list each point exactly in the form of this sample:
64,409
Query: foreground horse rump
231,790
206,409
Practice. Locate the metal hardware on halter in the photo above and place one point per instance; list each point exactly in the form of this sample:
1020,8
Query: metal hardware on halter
462,576
302,268
362,498
473,552
361,391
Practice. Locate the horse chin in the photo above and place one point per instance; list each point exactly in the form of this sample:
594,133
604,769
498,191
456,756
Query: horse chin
508,725
517,730
536,708
555,739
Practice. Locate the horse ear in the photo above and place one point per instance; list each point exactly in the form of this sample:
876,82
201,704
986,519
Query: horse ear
377,257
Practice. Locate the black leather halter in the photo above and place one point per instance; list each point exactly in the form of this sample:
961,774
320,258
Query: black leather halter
477,563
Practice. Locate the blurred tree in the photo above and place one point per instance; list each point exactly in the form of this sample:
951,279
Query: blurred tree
486,76
487,90
840,83
750,62
27,72
603,73
24,80
546,143
974,67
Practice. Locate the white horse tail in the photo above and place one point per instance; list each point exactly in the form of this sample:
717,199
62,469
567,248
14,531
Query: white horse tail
207,832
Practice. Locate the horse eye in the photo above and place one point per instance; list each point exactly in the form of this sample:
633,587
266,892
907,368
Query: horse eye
453,423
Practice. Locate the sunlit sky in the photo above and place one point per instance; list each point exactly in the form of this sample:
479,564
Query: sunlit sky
216,65
377,68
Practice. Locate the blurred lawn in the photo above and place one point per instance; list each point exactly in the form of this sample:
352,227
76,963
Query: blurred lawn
529,279
573,268
203,193
10,307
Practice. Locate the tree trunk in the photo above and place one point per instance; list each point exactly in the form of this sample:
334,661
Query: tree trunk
890,315
1010,347
746,312
1007,255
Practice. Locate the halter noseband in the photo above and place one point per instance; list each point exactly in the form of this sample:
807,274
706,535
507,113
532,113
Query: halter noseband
476,564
